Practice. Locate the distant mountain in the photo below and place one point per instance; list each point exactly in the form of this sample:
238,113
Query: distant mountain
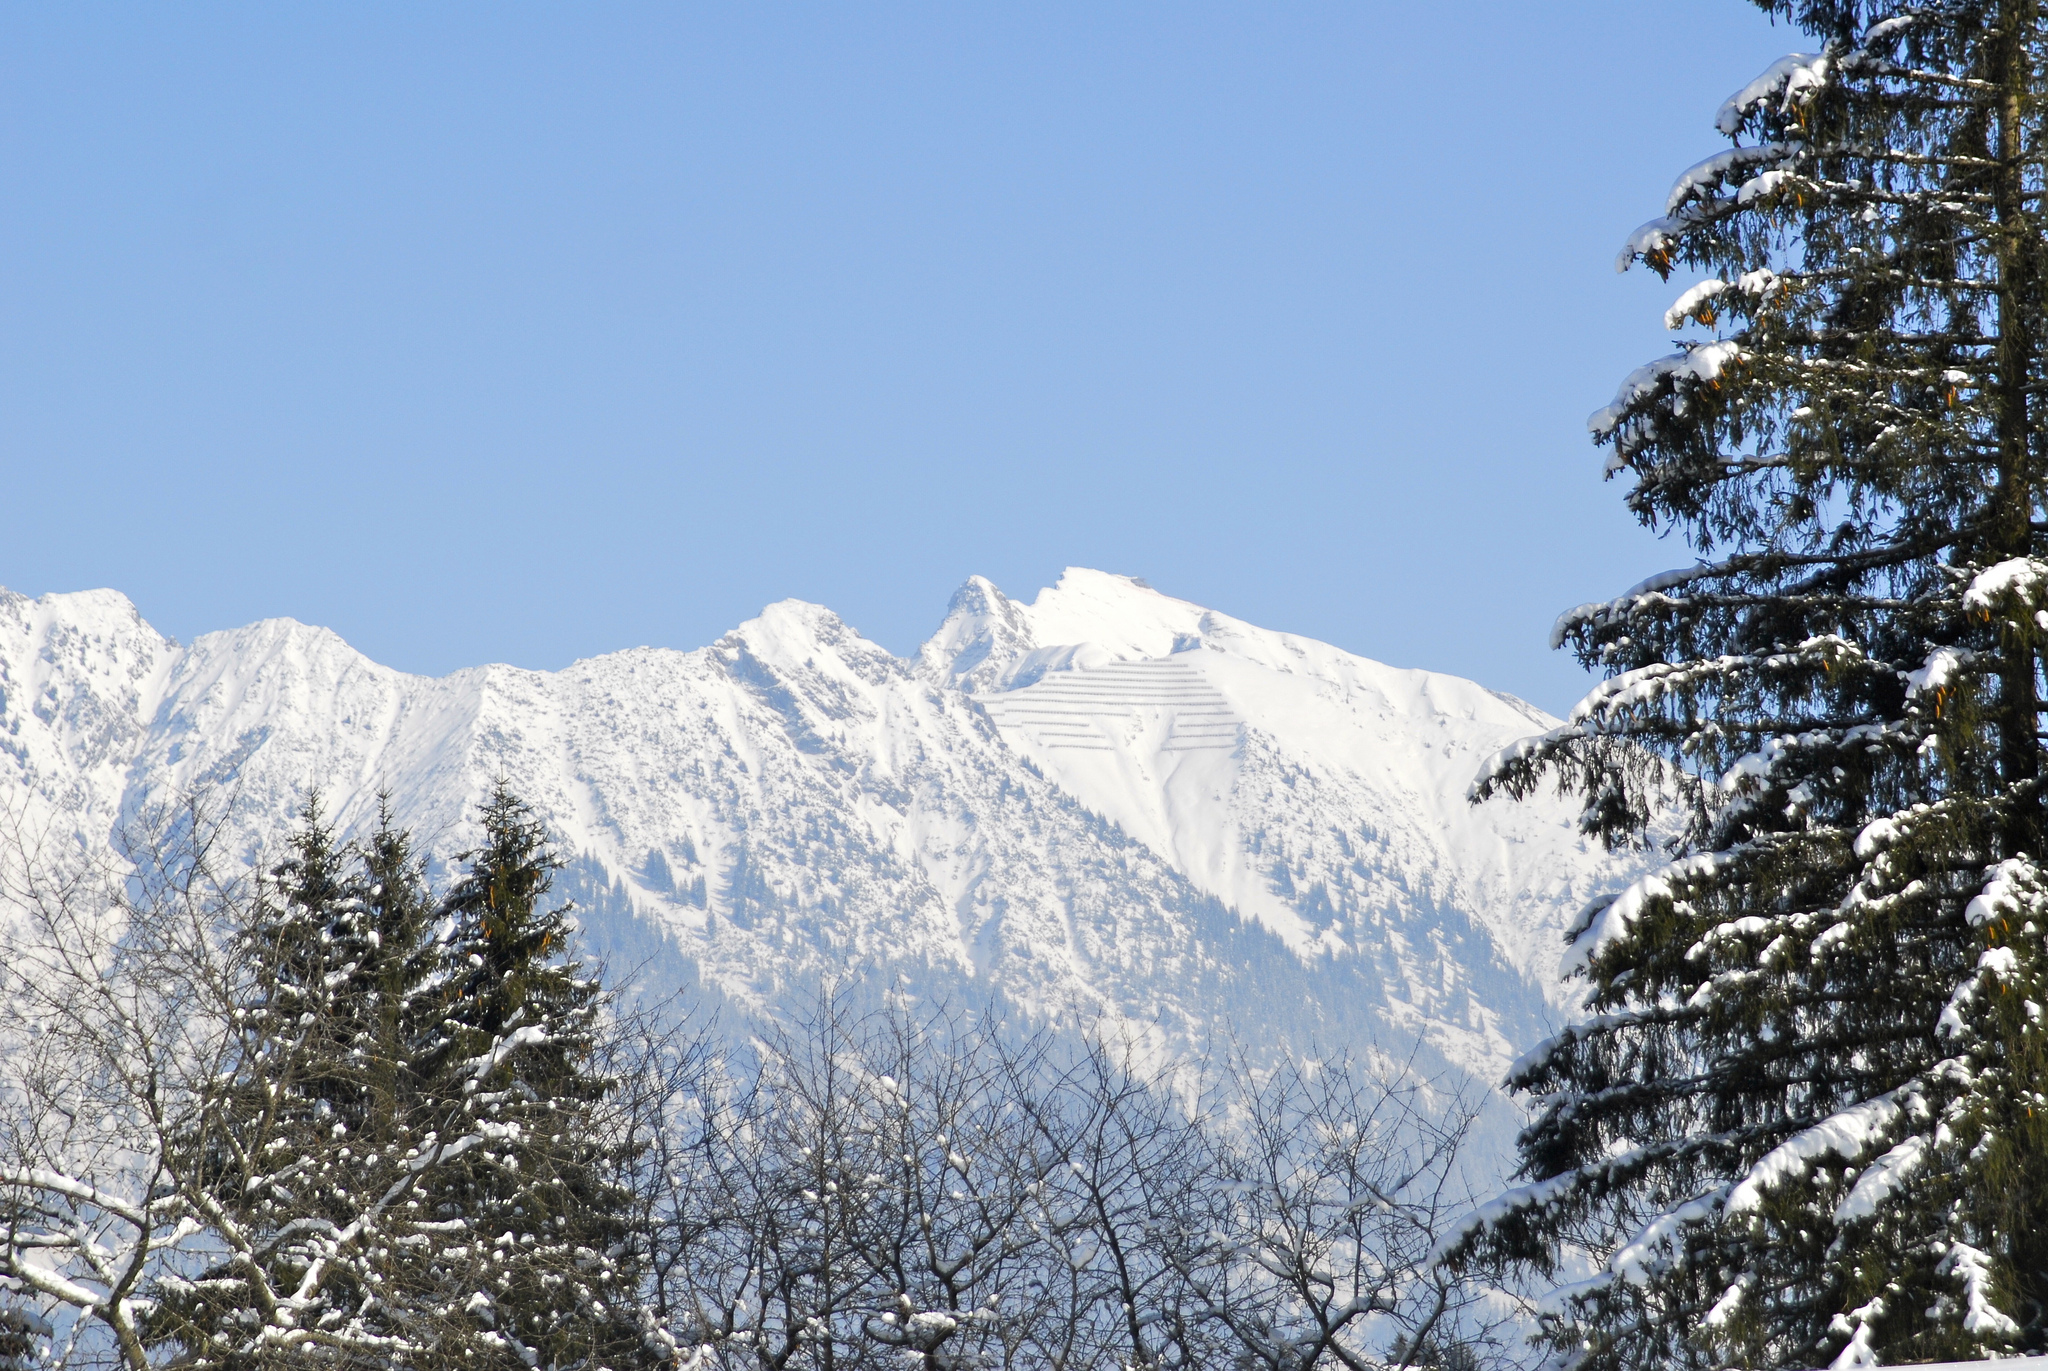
1106,801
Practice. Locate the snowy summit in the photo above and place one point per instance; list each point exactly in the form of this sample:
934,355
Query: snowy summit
1106,801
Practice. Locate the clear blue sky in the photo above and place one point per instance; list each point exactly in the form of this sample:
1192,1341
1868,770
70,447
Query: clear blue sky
527,332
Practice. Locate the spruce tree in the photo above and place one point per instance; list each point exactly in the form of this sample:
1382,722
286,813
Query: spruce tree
303,1158
406,1158
252,1155
1803,1120
544,1270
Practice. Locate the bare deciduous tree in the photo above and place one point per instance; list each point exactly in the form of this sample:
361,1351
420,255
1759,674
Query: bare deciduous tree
207,1157
1345,1180
114,982
923,1190
268,1119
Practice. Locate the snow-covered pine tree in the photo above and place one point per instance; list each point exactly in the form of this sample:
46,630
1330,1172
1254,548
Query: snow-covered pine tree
302,1146
404,1159
1803,1120
321,1133
251,1142
540,1258
391,1008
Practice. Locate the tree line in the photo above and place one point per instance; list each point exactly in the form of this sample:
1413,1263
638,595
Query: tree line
323,1114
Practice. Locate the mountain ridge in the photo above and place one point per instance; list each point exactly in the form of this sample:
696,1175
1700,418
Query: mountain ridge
1105,798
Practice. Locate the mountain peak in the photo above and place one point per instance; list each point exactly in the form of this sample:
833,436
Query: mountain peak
1119,613
82,610
1107,797
982,636
798,637
989,642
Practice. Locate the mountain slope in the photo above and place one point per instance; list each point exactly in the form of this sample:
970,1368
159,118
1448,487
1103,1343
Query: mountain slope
1106,801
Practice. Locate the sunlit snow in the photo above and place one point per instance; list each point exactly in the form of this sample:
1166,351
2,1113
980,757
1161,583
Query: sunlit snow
1106,801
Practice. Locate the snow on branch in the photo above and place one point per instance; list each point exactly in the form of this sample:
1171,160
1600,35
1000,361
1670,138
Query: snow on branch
1615,919
1971,1268
1499,1209
1848,1134
1523,752
480,1068
1689,305
1693,202
1649,1251
71,1188
2012,890
1699,181
1697,301
2013,588
1694,365
1772,757
1791,83
1523,1071
1632,691
1655,239
1652,591
1881,1180
1939,670
1611,706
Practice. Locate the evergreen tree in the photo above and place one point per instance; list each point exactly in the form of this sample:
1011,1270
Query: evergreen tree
303,1157
390,1013
394,992
545,1268
1804,1118
406,1159
253,1156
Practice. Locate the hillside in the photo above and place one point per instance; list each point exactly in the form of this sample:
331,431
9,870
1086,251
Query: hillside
1106,801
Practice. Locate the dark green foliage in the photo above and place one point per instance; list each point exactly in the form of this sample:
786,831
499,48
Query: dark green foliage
405,1156
546,1260
1801,1121
304,1131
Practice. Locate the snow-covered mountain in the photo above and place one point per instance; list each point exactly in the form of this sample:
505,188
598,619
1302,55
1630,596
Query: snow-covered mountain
1106,801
